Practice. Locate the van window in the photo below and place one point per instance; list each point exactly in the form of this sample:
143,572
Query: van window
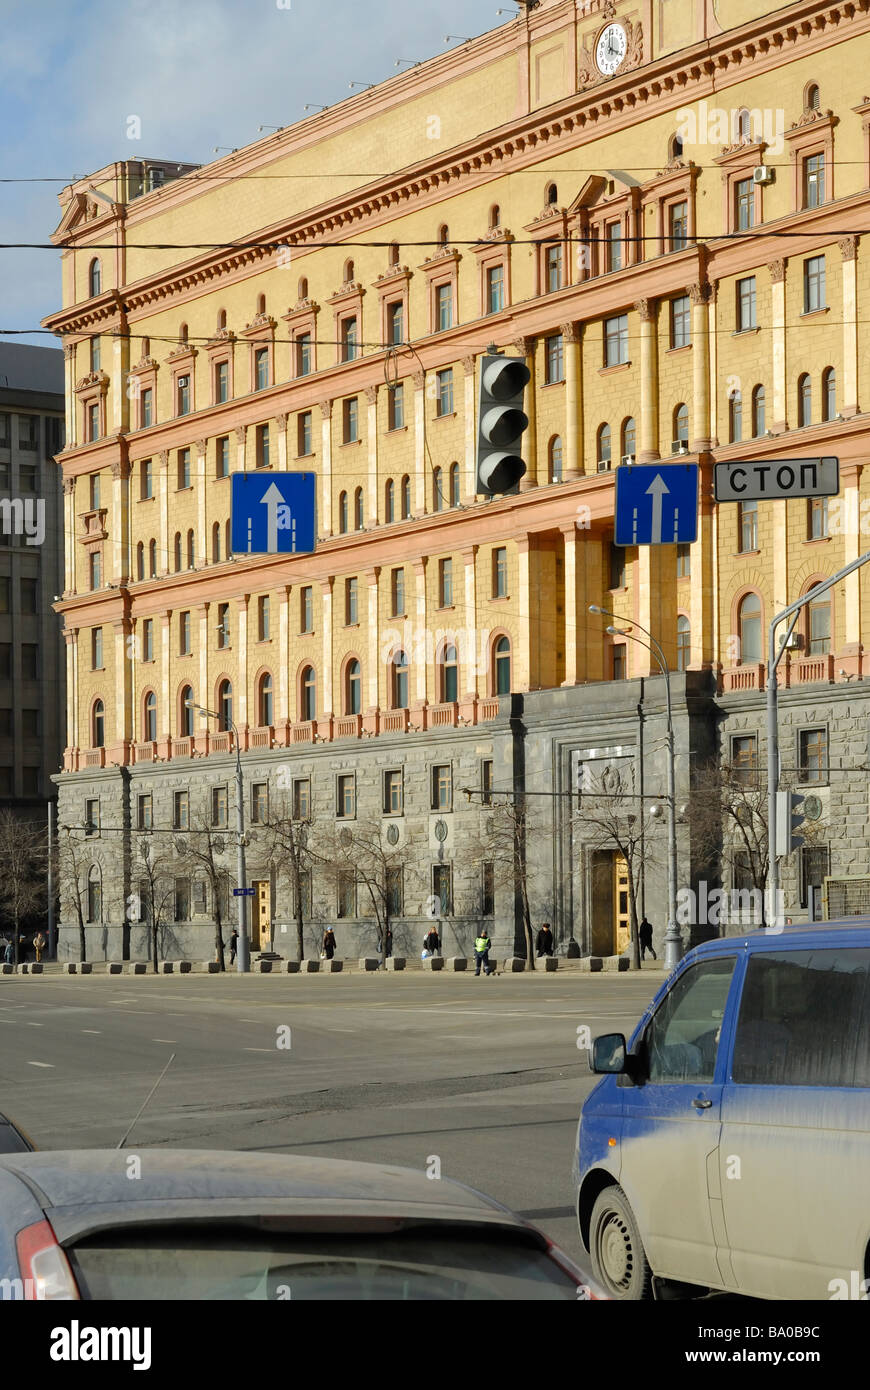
682,1038
805,1019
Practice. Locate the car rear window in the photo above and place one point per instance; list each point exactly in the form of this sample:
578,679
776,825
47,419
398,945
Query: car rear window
216,1262
805,1019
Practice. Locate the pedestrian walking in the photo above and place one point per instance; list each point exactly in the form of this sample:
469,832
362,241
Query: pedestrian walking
544,941
482,947
645,935
432,942
388,943
234,945
327,949
39,944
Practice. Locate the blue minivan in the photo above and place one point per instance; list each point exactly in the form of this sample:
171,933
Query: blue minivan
727,1146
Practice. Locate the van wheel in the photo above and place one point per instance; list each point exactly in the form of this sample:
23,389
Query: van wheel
618,1258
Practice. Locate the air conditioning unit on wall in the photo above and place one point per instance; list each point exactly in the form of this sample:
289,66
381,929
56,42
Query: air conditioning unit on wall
763,173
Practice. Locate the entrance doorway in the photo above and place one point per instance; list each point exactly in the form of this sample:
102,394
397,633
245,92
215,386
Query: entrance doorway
622,910
261,929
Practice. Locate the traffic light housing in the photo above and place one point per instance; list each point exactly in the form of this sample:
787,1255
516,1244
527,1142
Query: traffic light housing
501,422
789,819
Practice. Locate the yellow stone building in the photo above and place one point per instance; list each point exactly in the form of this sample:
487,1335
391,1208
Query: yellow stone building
662,208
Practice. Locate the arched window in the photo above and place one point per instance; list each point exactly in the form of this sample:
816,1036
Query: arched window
684,643
743,125
804,400
149,723
758,412
221,320
443,234
307,695
261,304
186,712
502,666
302,288
182,334
454,484
675,147
146,347
358,509
603,447
353,688
552,194
266,702
394,253
406,497
818,622
216,543
190,550
348,271
95,894
140,560
225,707
812,97
494,217
628,442
556,459
681,424
438,490
152,559
735,417
95,277
829,394
399,692
98,723
177,551
342,513
390,501
749,627
449,675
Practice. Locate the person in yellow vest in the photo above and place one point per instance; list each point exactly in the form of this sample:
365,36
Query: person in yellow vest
39,944
482,946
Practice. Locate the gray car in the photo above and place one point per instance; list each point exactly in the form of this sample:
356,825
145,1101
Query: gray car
190,1224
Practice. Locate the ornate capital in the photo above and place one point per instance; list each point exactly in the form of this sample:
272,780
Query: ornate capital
848,247
241,431
419,379
164,458
325,409
699,292
646,308
69,487
777,271
468,365
372,395
69,352
120,469
570,332
524,346
281,421
201,446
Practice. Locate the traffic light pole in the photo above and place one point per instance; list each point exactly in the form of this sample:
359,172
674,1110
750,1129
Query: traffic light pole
773,658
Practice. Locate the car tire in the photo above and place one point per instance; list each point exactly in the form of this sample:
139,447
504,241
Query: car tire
619,1261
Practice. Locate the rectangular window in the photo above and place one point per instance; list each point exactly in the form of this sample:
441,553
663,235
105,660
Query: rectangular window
219,807
94,488
553,263
744,205
56,435
393,800
5,660
306,607
29,661
146,480
146,408
183,395
259,802
221,382
813,755
444,396
499,572
681,322
618,664
747,526
746,304
95,900
184,647
30,723
487,889
144,811
93,423
396,322
97,649
397,593
684,561
304,358
302,895
678,225
814,284
27,476
5,723
183,469
613,232
223,625
396,407
182,900
495,289
442,787
261,369
345,796
28,432
817,518
350,412
486,775
148,639
5,594
96,568
4,429
443,307
263,618
555,360
92,816
181,810
616,340
617,566
302,798
394,893
346,904
29,595
445,583
442,889
814,181
744,757
222,457
351,604
349,340
303,434
262,457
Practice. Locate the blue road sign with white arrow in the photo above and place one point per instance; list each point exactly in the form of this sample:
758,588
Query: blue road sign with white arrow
272,513
656,504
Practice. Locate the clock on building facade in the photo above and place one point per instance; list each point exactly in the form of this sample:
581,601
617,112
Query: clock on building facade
610,49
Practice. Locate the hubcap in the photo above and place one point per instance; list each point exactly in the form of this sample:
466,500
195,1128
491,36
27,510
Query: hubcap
614,1251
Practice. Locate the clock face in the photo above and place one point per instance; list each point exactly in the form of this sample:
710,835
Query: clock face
610,49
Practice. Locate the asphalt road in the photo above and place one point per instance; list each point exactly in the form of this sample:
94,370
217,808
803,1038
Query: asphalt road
484,1074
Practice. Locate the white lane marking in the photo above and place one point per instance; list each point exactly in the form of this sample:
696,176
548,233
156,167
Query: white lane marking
50,1065
34,1025
259,1049
166,1040
92,1030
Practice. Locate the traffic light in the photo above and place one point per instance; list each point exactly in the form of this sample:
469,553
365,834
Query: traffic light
789,819
501,421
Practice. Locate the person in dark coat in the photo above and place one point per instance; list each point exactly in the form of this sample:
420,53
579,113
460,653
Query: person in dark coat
328,944
544,941
234,945
645,935
388,943
432,942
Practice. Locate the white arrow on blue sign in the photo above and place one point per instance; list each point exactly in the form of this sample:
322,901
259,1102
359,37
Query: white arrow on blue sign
272,513
656,504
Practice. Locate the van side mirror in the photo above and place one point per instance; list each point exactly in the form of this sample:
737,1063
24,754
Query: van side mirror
608,1053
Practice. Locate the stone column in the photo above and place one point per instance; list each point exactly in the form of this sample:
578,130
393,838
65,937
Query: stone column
526,349
163,558
655,603
569,536
702,429
421,466
120,367
702,560
241,448
713,357
470,488
470,658
374,663
848,392
649,382
420,636
203,694
125,657
281,423
522,658
201,552
326,683
284,656
371,501
850,656
325,525
70,403
70,637
573,452
242,669
778,346
120,569
69,559
164,705
76,712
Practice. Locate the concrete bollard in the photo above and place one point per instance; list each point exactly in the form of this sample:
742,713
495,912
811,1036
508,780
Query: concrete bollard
71,967
265,967
592,963
114,967
184,967
7,969
395,962
369,962
434,963
457,963
547,964
616,963
86,967
167,967
310,967
513,965
136,967
292,967
333,967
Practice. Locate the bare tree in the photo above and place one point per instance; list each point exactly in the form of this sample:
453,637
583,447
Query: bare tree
287,848
203,849
23,852
363,849
502,843
157,903
73,863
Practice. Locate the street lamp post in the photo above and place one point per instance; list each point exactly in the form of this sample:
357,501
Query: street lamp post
244,956
673,940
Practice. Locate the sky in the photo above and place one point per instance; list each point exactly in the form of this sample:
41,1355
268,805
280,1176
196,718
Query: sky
197,73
